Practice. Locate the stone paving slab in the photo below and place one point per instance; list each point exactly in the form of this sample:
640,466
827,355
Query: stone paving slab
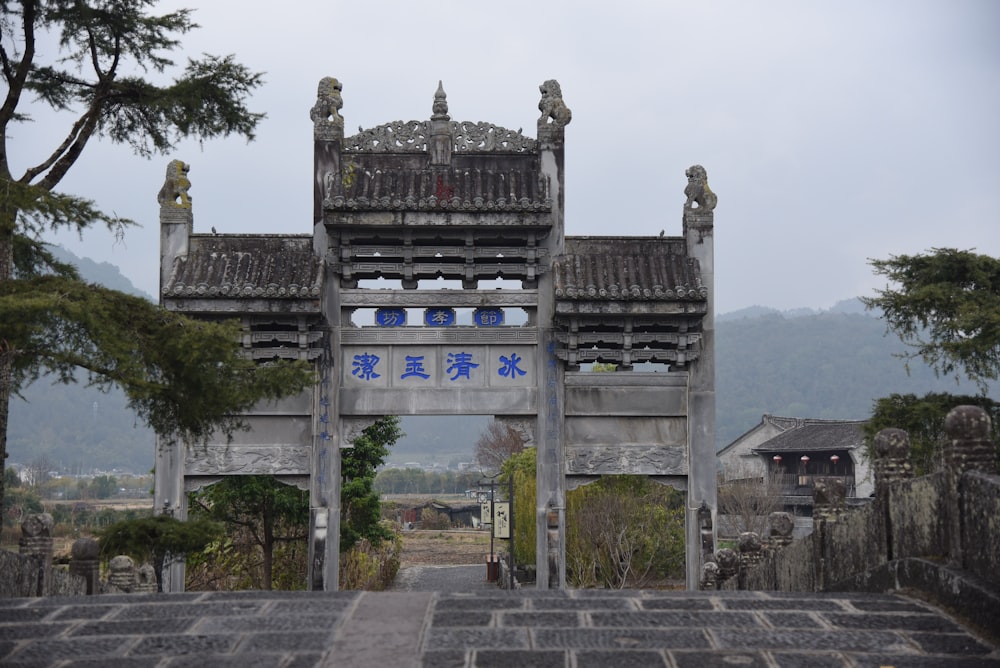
485,629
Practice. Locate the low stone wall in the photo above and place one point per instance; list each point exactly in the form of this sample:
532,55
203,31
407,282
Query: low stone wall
939,534
31,572
28,576
980,495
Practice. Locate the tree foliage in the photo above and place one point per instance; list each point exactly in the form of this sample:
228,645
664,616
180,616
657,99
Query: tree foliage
923,420
360,509
267,511
523,467
155,538
108,78
947,308
624,531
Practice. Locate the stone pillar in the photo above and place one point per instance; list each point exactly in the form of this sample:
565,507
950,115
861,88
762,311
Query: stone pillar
36,542
892,462
969,448
85,563
699,224
324,479
169,499
550,493
176,226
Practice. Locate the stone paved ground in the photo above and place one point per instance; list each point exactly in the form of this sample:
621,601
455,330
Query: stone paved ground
577,629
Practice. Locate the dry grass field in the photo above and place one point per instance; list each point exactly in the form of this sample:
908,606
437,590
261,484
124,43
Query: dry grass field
445,548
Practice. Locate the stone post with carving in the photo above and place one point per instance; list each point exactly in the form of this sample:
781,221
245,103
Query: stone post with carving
36,542
324,478
699,234
176,227
969,448
550,495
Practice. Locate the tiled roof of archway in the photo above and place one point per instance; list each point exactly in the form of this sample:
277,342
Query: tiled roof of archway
627,269
248,267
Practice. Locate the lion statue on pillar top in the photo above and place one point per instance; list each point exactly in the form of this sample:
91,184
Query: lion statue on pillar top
175,187
555,113
697,190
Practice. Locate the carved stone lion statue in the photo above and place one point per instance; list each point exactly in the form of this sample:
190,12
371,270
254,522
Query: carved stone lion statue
328,102
697,190
175,187
554,110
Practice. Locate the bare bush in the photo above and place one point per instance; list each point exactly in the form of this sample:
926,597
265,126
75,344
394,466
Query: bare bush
746,498
496,445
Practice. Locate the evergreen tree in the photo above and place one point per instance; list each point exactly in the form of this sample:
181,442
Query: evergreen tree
947,307
270,511
187,379
360,508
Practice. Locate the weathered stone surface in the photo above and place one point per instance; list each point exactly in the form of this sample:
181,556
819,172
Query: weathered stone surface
626,459
248,459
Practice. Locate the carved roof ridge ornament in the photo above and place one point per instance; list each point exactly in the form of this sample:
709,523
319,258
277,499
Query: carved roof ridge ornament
466,136
440,107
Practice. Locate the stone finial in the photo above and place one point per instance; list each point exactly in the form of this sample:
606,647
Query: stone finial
555,114
440,107
37,525
780,526
969,445
328,124
699,196
749,542
145,579
174,193
123,575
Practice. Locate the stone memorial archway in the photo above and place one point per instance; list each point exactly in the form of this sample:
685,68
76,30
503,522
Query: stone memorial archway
407,203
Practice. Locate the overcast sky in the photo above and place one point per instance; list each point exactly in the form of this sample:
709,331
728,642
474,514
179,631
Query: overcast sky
832,132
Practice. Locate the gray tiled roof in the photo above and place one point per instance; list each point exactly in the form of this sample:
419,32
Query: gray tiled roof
627,269
817,436
242,266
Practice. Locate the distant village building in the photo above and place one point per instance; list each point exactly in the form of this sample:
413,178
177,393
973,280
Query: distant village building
788,454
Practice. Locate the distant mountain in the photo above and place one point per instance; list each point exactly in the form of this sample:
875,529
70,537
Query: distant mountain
102,273
830,363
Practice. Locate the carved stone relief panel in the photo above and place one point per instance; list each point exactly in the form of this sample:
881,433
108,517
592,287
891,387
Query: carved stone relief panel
352,427
524,426
247,460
